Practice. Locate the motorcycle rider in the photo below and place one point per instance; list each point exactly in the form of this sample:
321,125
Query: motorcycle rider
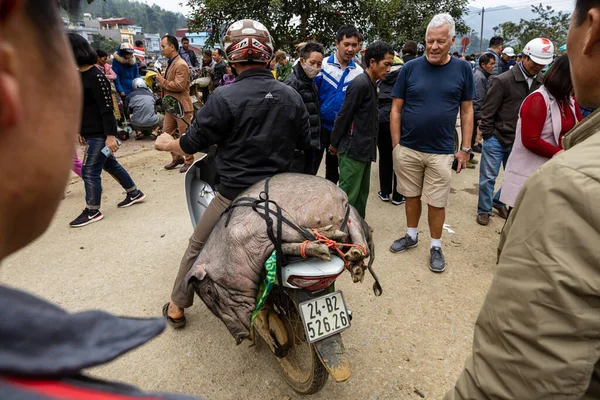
256,123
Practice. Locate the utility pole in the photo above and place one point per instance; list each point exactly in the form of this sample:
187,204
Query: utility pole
481,37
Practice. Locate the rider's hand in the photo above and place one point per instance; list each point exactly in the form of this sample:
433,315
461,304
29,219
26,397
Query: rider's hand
162,142
462,158
122,94
332,150
111,143
80,140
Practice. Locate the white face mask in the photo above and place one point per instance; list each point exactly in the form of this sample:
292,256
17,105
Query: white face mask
311,72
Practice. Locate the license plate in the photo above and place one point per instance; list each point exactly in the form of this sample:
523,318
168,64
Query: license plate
324,316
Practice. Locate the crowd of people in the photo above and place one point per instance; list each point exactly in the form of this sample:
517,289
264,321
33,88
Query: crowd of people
536,335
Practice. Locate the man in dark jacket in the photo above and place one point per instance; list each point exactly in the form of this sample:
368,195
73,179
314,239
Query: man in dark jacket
354,135
188,54
387,177
45,350
220,67
257,124
495,49
481,74
499,116
303,73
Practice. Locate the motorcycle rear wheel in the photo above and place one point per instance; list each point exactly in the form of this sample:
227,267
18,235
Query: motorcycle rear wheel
302,368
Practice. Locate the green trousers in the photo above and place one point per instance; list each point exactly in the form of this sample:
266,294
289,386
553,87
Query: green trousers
355,180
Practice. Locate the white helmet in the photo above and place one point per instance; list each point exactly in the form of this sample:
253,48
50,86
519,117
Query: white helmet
509,51
138,83
540,50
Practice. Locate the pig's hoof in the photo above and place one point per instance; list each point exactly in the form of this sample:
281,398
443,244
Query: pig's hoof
239,338
178,323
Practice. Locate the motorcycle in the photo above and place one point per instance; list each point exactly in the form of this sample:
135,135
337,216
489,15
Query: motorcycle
304,316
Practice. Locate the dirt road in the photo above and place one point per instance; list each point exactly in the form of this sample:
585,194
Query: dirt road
414,338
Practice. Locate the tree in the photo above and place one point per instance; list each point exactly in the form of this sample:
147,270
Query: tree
409,19
292,21
100,42
548,23
289,21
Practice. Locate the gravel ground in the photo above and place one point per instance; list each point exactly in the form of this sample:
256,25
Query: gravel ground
409,343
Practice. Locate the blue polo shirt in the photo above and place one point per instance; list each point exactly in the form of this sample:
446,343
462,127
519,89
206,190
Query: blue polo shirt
432,95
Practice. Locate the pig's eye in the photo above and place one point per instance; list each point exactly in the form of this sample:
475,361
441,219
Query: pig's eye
210,292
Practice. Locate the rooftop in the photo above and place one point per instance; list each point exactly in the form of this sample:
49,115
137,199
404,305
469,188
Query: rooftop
120,21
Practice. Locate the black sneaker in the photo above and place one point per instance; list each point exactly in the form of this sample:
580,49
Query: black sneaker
87,217
398,201
383,197
436,261
403,244
132,198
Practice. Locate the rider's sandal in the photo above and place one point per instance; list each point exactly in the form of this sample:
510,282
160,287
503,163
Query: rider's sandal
175,323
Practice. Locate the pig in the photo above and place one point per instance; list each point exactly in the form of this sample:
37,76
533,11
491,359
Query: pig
230,268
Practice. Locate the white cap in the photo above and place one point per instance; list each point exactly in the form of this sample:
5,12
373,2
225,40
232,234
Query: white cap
509,51
540,50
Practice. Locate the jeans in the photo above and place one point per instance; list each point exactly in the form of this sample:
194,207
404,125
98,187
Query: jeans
492,155
331,162
93,163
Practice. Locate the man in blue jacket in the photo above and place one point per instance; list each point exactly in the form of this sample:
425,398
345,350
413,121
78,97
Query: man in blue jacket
126,69
338,70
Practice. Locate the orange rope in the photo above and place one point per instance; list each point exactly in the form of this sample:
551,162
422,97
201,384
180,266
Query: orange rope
331,244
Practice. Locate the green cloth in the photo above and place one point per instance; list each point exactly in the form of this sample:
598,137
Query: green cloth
355,180
283,71
267,285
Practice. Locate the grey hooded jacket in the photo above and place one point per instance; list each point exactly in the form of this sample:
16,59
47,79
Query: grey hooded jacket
140,104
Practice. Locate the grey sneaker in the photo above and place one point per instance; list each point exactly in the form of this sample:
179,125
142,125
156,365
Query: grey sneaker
436,262
403,244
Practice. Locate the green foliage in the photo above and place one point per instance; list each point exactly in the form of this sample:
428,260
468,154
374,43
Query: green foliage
292,21
100,42
548,23
152,19
409,18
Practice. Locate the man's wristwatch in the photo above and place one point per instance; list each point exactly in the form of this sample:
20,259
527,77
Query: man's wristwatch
466,150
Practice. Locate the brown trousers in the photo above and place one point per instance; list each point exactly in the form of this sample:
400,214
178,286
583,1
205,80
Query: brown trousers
170,126
209,219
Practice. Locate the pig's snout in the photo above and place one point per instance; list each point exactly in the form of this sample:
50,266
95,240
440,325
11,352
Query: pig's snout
238,331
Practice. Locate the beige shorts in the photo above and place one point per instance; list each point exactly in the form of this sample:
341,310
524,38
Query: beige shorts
423,174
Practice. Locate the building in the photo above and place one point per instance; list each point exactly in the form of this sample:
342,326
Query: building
197,39
151,42
118,29
137,29
86,29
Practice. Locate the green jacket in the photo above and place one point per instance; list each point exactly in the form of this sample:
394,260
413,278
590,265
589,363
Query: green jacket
283,71
538,333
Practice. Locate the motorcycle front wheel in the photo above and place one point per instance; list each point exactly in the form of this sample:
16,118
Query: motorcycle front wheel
303,370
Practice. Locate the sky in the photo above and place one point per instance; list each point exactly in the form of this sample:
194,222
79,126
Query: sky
173,5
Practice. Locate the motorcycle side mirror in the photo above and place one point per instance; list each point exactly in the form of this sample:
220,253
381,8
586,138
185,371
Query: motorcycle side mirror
173,106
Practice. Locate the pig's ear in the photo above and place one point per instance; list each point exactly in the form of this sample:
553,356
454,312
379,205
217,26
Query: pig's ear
197,273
